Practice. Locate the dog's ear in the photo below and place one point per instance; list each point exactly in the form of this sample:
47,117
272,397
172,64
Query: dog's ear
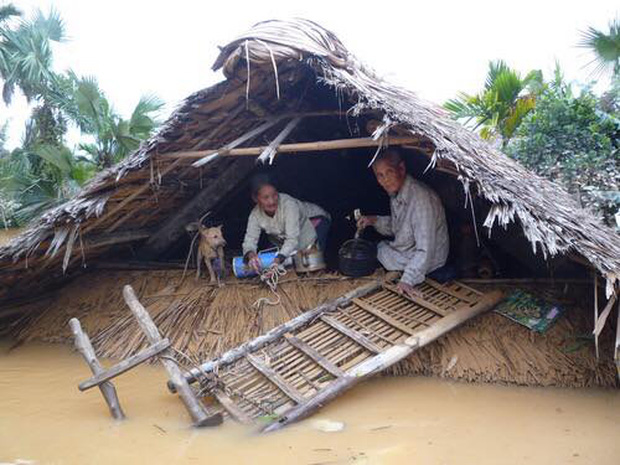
220,227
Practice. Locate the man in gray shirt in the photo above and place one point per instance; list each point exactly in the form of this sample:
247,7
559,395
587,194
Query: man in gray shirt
417,222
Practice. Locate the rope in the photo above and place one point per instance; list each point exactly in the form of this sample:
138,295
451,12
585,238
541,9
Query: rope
271,276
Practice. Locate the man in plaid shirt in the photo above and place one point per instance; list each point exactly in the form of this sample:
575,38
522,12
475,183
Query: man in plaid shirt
417,222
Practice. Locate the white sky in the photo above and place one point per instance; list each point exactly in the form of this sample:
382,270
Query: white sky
434,48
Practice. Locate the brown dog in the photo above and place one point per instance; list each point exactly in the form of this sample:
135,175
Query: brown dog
210,247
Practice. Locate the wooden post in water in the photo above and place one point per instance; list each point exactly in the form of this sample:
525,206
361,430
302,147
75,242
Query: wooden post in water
193,405
83,345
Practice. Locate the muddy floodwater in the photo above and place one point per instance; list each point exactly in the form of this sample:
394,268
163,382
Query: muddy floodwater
44,419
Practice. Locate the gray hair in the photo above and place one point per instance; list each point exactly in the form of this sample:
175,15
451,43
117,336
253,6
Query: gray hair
391,156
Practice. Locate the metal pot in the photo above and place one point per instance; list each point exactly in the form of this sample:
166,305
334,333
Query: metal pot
309,260
357,257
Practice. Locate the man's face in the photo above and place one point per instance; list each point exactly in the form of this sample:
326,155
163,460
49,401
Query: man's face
391,178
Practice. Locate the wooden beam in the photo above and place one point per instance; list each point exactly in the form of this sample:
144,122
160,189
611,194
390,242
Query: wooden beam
318,146
276,379
193,405
114,239
125,365
174,227
84,346
311,352
233,409
351,334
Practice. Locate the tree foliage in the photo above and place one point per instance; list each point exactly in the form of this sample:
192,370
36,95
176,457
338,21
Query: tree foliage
605,46
573,140
501,106
44,171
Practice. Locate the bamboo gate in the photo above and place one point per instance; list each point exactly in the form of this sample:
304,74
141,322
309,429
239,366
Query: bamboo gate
294,369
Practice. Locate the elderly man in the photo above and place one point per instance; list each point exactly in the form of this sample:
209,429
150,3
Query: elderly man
417,222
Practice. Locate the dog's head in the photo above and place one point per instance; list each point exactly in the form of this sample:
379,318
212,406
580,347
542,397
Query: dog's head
212,236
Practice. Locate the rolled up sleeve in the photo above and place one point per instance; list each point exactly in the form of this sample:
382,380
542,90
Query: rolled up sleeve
383,225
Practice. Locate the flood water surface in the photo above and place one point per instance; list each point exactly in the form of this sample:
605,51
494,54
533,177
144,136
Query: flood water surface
45,419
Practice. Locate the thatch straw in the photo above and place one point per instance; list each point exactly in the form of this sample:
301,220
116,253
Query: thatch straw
143,190
203,321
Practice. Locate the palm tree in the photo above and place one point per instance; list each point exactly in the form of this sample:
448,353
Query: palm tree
503,103
114,137
26,54
605,47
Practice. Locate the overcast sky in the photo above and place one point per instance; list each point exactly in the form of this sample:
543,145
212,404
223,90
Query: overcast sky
435,48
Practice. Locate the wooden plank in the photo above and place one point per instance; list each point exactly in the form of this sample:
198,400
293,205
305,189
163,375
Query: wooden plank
418,300
352,334
385,317
276,379
314,355
84,346
125,365
318,146
193,405
386,359
233,409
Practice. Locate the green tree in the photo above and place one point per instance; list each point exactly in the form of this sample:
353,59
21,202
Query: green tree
571,139
502,105
26,55
114,137
44,172
605,46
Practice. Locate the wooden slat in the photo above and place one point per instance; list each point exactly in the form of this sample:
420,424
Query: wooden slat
453,293
385,317
276,379
418,300
233,409
125,365
314,355
352,334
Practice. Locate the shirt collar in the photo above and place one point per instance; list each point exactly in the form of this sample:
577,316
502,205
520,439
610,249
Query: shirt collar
404,193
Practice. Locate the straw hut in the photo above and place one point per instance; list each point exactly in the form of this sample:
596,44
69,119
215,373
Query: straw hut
294,99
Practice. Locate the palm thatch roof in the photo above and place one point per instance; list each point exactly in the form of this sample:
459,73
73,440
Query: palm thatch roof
278,74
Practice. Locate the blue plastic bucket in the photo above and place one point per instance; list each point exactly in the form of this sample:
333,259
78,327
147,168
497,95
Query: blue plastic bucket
241,270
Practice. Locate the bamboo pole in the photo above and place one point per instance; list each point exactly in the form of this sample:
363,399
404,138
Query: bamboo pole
318,146
84,346
385,359
193,405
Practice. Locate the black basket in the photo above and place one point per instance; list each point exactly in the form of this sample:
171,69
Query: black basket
357,257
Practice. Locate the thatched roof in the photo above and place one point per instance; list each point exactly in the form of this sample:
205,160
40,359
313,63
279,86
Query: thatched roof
295,69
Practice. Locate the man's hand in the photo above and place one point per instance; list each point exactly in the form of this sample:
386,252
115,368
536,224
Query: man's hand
364,221
408,289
